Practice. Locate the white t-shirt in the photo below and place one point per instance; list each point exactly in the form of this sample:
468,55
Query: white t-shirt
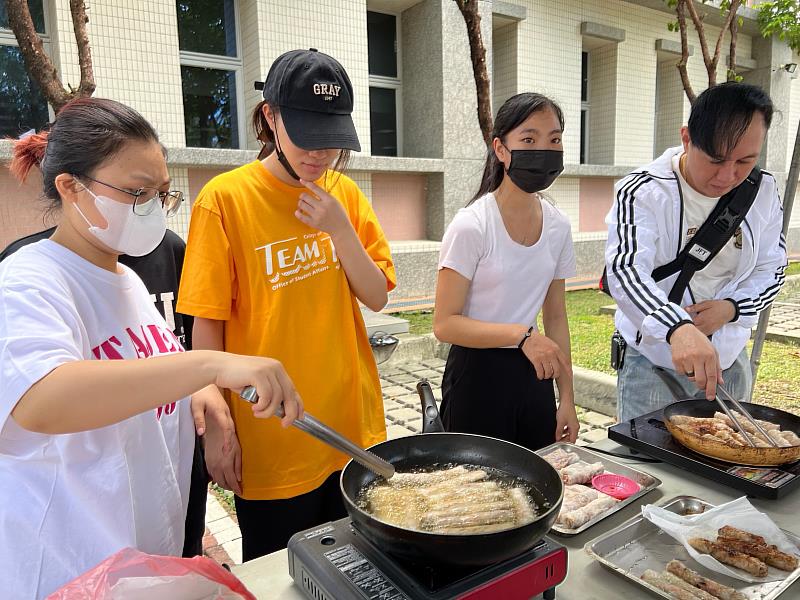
509,280
696,207
69,501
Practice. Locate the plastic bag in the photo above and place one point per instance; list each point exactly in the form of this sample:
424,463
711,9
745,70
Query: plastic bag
133,575
739,513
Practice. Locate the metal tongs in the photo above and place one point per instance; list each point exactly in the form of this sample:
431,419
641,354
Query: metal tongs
677,391
743,411
325,434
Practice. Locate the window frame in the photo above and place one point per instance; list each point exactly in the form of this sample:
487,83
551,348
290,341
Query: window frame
586,107
392,83
223,63
7,38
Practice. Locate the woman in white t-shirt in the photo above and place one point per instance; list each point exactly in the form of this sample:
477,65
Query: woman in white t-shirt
504,258
95,445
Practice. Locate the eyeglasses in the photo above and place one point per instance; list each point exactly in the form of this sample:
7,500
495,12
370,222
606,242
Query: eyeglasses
145,198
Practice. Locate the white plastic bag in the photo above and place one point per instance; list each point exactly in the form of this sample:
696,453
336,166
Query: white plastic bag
737,513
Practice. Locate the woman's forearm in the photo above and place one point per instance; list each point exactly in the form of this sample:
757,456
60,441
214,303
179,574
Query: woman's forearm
365,278
557,329
471,333
88,394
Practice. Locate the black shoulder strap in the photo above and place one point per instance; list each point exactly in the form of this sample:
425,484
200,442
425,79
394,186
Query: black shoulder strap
712,235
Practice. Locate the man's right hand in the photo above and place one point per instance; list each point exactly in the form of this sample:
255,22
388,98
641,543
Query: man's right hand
693,355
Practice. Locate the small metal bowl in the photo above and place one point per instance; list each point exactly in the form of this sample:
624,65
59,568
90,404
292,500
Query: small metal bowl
383,345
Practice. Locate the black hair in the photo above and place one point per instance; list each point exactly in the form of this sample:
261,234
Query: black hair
267,139
722,113
511,115
87,132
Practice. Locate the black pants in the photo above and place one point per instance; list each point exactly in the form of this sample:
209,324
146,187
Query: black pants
267,525
196,511
495,392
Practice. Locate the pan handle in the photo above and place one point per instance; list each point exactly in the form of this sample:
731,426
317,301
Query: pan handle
671,382
431,423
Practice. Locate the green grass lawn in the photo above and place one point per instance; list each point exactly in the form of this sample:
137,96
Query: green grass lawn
590,334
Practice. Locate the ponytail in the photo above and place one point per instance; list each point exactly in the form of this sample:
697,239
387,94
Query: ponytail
262,130
28,152
492,177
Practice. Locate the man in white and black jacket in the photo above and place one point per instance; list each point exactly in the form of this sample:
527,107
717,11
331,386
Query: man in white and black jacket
656,210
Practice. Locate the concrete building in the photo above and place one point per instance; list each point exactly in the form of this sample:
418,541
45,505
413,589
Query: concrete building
189,67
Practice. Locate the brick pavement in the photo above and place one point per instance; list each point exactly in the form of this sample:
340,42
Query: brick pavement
222,541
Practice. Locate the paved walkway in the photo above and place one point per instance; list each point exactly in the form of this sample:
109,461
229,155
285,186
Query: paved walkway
402,405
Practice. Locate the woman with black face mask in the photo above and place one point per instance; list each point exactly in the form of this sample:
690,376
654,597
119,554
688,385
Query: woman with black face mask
504,258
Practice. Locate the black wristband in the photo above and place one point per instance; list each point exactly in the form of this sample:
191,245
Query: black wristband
525,337
735,309
674,327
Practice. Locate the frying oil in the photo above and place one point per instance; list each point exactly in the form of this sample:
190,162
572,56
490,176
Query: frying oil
453,499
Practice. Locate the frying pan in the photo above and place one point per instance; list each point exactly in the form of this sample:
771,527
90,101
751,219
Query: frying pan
740,455
429,449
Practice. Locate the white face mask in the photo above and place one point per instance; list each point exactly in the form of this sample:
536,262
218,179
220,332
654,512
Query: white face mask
128,233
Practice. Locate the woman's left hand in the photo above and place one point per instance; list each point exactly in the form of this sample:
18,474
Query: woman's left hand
321,210
567,425
209,405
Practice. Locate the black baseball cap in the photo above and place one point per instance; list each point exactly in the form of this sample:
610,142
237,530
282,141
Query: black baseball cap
315,98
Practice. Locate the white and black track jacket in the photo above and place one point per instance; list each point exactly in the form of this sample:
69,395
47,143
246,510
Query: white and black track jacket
645,231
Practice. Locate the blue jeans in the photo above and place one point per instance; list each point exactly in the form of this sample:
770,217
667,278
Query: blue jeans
640,390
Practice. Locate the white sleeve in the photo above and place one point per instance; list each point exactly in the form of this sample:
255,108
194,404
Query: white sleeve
462,245
565,268
630,255
758,291
38,330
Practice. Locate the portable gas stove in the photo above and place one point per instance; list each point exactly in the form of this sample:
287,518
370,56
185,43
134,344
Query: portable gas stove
336,562
649,434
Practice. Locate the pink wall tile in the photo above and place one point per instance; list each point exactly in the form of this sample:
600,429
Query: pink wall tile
399,203
596,196
198,178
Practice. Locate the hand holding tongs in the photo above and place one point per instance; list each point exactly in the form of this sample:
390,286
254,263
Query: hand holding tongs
325,434
746,415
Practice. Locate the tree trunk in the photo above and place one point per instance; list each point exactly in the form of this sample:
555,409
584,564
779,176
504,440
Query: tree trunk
37,63
477,53
680,10
79,20
734,27
39,66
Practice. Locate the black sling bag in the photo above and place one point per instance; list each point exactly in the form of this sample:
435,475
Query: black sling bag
710,238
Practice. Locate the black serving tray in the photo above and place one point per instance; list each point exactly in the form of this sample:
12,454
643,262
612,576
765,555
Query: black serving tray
649,435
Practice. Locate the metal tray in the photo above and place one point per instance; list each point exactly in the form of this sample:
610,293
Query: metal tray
638,545
646,481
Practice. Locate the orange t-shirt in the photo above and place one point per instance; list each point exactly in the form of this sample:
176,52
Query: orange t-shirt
280,289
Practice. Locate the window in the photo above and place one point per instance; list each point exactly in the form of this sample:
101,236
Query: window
211,73
22,105
384,84
584,149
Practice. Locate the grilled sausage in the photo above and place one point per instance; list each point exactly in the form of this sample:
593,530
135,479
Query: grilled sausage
730,557
767,553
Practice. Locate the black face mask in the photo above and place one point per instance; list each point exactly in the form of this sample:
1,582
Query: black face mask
282,157
535,170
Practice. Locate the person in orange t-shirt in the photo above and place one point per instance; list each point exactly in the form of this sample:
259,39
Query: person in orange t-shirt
279,254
